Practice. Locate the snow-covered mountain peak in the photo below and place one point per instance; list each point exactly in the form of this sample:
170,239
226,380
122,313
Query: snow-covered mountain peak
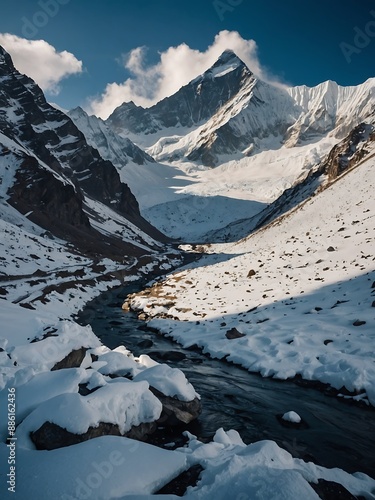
227,55
78,112
111,146
188,108
226,63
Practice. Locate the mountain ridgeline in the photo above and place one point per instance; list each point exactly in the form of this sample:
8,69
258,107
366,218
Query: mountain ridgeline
59,178
70,173
192,104
229,111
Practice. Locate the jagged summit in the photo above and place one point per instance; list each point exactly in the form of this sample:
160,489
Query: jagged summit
118,150
230,58
5,59
228,54
78,111
227,63
194,103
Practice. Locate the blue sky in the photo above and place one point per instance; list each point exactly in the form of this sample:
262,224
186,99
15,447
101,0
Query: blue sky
297,42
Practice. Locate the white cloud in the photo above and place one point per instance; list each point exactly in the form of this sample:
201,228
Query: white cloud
177,66
40,61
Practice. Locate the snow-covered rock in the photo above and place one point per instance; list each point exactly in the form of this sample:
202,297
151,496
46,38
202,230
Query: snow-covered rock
291,416
111,146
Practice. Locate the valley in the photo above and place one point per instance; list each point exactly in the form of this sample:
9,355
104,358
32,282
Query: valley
234,217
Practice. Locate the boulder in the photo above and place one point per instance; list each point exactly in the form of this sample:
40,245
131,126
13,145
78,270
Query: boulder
233,333
72,360
126,306
145,344
359,322
51,436
176,412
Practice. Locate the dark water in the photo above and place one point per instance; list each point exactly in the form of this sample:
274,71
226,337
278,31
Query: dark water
338,434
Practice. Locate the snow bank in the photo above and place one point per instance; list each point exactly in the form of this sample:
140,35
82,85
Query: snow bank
41,388
169,381
299,291
124,403
261,470
104,468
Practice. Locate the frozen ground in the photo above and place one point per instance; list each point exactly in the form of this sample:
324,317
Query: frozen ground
294,298
44,282
187,202
114,467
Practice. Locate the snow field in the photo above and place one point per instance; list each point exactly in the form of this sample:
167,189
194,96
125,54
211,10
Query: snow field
301,299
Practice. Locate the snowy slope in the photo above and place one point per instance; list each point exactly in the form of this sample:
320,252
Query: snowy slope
118,150
299,292
238,189
259,138
53,174
44,281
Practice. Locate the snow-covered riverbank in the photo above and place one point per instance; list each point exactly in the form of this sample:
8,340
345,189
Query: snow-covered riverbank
286,300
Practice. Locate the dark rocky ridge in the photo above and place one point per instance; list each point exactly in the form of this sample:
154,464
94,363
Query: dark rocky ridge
192,104
111,146
346,154
53,184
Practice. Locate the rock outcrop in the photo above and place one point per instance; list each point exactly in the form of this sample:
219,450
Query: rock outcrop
60,182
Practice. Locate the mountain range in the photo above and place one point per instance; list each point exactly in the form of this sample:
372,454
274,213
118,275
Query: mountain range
225,146
227,110
250,207
203,163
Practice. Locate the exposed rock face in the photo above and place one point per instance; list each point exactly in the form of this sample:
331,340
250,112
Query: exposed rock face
72,360
111,146
348,152
192,104
52,203
176,412
58,173
233,333
51,436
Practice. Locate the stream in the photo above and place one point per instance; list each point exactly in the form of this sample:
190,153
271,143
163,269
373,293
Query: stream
338,433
